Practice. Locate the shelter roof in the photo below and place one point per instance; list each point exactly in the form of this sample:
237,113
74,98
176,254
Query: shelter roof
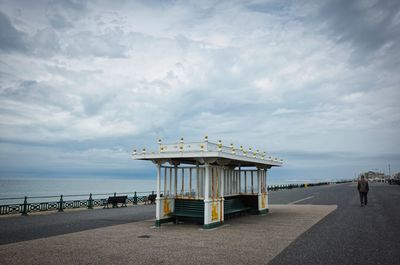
207,152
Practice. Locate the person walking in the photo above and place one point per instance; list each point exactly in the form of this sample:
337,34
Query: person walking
363,189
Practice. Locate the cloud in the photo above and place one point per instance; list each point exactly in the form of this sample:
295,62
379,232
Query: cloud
11,39
283,111
366,24
63,14
369,27
309,81
58,21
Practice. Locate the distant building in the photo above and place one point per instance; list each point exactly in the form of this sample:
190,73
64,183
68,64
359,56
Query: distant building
373,176
394,179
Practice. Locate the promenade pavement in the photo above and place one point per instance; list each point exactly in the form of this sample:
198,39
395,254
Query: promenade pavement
251,239
351,234
22,228
317,225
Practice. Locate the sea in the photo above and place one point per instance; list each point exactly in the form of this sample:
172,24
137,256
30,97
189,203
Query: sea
13,190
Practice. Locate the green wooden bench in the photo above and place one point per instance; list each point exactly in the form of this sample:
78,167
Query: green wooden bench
234,206
114,200
189,209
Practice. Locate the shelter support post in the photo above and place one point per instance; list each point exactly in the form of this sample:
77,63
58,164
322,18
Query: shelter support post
158,205
207,201
222,177
263,206
176,180
212,203
197,181
165,204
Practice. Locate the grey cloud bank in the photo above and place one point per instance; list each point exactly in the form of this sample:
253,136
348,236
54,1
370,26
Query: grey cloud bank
82,82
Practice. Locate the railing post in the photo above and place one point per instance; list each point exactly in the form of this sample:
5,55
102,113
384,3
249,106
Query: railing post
135,199
115,204
90,204
25,207
61,204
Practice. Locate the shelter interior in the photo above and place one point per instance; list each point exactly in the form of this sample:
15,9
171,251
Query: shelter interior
236,188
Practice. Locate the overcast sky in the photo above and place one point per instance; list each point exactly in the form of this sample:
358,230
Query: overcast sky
313,82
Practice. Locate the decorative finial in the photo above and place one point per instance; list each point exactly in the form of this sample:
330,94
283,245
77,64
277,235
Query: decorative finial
219,145
159,141
144,151
206,138
134,152
181,141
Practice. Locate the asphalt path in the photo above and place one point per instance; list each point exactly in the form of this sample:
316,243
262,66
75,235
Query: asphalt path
34,226
351,234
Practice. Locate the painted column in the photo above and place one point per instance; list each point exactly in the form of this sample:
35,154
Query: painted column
262,194
207,201
240,180
266,189
222,193
245,182
165,204
170,182
183,182
252,181
165,182
233,182
176,180
228,182
197,180
158,198
236,182
212,206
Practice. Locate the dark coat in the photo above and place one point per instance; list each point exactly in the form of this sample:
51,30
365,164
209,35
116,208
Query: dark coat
363,185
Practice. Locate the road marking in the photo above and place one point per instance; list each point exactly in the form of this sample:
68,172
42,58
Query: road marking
301,200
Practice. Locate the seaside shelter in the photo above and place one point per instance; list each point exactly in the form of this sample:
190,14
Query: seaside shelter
208,182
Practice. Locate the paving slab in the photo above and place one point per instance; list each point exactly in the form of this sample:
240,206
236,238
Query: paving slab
250,239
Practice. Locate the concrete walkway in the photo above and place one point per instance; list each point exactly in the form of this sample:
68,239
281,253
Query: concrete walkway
17,228
250,239
351,234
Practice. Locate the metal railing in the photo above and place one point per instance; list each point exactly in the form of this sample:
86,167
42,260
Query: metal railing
28,205
294,186
302,185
